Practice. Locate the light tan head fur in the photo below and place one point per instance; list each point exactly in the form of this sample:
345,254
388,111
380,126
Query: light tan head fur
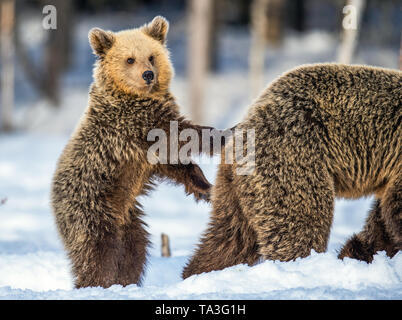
124,57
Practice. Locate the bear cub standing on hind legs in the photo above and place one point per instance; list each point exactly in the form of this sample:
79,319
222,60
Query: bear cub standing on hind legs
104,167
321,131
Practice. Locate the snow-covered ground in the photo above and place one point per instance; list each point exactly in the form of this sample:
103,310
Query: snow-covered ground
33,264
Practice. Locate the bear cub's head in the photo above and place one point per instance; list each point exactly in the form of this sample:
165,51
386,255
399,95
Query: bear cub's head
136,61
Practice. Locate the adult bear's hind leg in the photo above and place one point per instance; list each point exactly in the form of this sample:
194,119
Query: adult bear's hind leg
391,209
290,206
229,239
373,238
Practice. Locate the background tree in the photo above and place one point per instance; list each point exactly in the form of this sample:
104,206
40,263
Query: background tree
200,12
351,22
7,20
266,28
56,56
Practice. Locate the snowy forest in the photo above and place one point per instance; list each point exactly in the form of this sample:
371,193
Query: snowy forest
224,54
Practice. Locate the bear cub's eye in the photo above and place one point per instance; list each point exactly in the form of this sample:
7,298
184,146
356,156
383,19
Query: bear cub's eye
130,60
151,59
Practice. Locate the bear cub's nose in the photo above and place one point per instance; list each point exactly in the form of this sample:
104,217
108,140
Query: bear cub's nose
148,76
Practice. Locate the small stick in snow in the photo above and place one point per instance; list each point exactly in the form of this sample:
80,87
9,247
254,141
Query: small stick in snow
165,246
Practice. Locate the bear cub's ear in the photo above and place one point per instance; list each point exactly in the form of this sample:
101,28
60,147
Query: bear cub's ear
101,41
157,29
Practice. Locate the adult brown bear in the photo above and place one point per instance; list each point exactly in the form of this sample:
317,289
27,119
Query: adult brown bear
322,131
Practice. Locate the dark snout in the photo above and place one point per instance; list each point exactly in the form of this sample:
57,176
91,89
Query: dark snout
148,76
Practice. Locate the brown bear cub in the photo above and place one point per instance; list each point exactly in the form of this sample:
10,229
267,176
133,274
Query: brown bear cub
104,167
321,131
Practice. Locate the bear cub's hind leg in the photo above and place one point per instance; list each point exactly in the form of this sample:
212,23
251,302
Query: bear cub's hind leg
134,243
95,260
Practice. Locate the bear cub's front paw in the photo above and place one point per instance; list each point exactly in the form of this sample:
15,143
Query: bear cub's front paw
198,185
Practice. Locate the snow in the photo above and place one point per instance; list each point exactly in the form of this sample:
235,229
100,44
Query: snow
33,263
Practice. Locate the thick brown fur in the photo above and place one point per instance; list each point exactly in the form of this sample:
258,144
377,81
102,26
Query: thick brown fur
322,131
104,168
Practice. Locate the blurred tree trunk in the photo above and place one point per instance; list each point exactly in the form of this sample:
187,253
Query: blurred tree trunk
198,54
57,56
57,53
7,15
266,27
350,24
299,17
400,55
214,26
